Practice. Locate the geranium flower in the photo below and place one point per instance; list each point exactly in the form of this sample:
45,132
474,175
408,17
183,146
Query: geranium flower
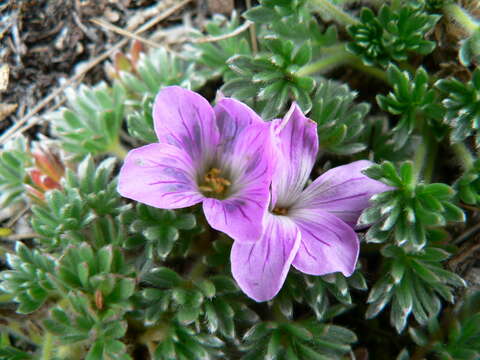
310,228
220,156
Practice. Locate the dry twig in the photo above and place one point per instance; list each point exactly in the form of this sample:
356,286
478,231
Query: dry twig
235,32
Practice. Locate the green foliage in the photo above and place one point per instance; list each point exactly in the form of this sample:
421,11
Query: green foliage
456,336
379,136
340,120
214,55
157,69
412,100
392,34
28,280
303,340
292,20
140,121
462,106
91,122
318,293
212,302
157,230
14,159
82,323
102,273
11,353
270,78
97,287
468,185
413,283
408,210
89,198
182,342
470,49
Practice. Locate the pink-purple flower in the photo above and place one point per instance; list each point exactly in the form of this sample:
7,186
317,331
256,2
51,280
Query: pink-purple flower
310,228
250,176
221,156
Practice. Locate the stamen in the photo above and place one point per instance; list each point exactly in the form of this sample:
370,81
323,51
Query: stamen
214,184
280,211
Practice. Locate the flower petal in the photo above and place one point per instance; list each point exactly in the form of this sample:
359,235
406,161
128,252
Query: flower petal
186,120
241,216
249,167
328,244
343,191
298,144
246,141
260,268
159,175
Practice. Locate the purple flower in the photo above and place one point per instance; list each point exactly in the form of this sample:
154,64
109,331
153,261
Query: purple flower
220,156
311,228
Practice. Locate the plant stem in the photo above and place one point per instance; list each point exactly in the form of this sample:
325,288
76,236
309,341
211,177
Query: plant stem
424,160
461,16
335,12
432,147
376,72
338,55
419,160
118,150
464,155
47,346
197,270
335,56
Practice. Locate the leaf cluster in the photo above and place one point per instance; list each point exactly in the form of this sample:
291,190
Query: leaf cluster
88,200
410,209
462,106
91,122
14,159
270,77
301,340
327,296
413,100
392,34
214,55
340,121
456,335
414,283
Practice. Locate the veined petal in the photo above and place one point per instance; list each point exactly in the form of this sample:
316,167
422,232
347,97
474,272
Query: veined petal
298,148
260,268
246,145
343,191
328,244
249,168
159,175
186,120
240,216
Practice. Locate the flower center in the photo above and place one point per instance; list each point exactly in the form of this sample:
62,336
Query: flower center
280,211
214,185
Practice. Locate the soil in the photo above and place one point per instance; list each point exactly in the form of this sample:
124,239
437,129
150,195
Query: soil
45,41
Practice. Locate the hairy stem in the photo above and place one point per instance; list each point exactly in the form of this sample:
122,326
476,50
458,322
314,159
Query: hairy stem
464,155
461,16
376,72
338,55
118,150
425,156
335,12
47,347
335,56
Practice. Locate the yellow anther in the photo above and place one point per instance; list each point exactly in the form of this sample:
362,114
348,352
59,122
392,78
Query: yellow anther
280,211
214,183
